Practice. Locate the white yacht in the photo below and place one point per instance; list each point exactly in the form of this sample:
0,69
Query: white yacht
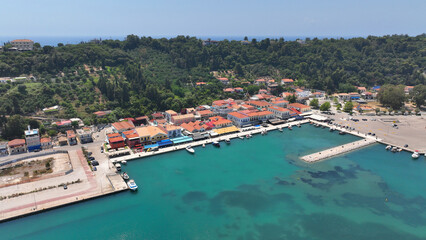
415,155
125,176
280,129
132,185
190,149
124,162
388,147
227,141
241,137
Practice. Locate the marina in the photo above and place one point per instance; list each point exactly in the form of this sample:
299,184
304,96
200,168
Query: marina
224,187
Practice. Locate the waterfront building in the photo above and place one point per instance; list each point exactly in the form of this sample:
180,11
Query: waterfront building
171,130
120,127
300,107
131,138
23,44
84,135
239,119
32,139
46,143
115,140
71,137
196,127
16,146
279,112
150,134
219,122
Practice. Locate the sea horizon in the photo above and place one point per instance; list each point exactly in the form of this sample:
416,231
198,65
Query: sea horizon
54,40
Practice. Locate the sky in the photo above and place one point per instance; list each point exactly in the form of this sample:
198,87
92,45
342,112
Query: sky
313,18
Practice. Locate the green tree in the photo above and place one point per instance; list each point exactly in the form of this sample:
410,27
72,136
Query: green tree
392,96
291,98
348,107
14,128
314,103
418,95
325,106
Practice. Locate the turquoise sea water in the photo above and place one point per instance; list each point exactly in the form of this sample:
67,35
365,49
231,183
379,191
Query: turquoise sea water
252,189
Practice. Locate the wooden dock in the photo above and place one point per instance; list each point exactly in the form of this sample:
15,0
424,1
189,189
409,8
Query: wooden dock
332,152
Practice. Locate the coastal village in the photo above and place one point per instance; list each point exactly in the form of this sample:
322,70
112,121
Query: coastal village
84,161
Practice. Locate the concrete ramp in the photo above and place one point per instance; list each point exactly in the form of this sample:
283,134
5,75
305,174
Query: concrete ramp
332,152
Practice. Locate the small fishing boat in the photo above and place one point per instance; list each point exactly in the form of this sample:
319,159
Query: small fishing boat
394,149
250,135
216,144
190,149
204,145
124,162
125,176
280,129
342,133
290,128
241,137
388,147
298,125
228,141
399,149
118,166
247,136
415,155
323,127
132,185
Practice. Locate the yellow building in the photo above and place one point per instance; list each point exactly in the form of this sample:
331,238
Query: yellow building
150,134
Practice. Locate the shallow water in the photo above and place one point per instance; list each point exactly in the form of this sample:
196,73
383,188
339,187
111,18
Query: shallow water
252,189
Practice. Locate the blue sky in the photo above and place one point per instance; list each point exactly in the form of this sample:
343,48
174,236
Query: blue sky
212,18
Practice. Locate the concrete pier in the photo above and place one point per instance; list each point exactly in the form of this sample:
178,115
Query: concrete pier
332,152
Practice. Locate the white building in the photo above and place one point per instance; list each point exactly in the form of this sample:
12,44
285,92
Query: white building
32,138
23,44
280,112
85,135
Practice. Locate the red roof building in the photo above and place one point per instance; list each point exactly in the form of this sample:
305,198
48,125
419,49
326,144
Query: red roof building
131,138
115,140
123,126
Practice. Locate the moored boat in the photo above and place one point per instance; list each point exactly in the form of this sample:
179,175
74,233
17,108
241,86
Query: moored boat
394,149
280,129
190,149
298,125
216,144
241,137
125,176
227,141
247,136
118,166
290,128
124,162
342,133
204,145
388,147
132,185
415,155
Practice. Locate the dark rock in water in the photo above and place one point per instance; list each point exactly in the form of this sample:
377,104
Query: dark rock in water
194,196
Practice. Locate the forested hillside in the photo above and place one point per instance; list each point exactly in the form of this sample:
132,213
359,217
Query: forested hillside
141,75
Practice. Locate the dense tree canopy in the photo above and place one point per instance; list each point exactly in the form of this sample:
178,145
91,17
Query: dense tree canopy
141,75
392,96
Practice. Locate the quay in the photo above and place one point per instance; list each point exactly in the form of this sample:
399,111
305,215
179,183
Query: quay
206,141
332,152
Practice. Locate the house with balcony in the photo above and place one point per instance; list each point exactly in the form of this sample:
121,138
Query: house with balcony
172,131
169,114
299,107
115,140
150,134
16,146
71,137
46,143
84,135
131,138
184,118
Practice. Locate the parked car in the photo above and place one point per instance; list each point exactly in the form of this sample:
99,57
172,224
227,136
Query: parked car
65,187
91,158
94,163
364,119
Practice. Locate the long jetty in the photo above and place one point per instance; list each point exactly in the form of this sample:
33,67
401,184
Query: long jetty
332,152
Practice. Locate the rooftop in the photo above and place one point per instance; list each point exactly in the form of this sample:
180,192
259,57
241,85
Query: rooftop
16,142
124,125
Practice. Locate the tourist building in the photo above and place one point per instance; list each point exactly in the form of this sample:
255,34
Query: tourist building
71,137
279,112
32,138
